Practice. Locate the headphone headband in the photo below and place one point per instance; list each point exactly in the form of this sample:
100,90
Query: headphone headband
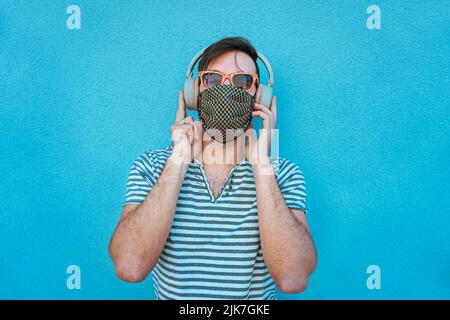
196,58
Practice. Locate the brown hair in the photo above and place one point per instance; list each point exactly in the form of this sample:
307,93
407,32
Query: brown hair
226,45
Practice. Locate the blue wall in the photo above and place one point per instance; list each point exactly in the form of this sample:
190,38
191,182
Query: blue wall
365,114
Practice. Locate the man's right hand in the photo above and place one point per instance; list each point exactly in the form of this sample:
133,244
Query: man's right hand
186,134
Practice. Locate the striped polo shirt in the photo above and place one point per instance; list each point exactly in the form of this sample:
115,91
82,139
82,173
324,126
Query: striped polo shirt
213,250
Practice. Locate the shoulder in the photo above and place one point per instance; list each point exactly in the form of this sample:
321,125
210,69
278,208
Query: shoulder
286,168
152,161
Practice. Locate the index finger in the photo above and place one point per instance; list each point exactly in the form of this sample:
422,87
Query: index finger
274,110
181,112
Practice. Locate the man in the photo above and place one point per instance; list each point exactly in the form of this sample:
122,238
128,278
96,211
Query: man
213,217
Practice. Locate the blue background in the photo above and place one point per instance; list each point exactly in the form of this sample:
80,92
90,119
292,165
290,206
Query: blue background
364,113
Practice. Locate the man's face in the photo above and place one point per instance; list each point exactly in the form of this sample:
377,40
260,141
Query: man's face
233,61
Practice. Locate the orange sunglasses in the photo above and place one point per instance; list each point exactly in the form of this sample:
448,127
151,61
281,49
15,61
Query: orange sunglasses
243,80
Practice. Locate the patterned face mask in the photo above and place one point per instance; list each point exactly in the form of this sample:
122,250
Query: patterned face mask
225,111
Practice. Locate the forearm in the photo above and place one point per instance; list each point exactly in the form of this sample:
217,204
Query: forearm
287,246
140,236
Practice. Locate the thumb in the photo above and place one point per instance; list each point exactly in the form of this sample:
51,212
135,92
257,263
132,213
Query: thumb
198,138
198,129
249,134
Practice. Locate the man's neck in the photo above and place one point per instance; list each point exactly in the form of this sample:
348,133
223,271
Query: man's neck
222,154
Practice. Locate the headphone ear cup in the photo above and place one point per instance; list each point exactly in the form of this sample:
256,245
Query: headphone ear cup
264,95
191,88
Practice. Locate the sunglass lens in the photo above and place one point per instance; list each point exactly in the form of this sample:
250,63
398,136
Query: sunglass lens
243,81
211,79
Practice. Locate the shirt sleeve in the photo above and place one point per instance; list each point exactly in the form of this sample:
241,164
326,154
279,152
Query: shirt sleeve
141,179
292,185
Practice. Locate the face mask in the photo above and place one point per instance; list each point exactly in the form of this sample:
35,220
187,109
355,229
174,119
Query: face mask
225,111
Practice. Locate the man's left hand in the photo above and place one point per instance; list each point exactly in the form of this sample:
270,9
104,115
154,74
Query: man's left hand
257,150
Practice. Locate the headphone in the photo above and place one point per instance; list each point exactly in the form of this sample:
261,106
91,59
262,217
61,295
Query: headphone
192,85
